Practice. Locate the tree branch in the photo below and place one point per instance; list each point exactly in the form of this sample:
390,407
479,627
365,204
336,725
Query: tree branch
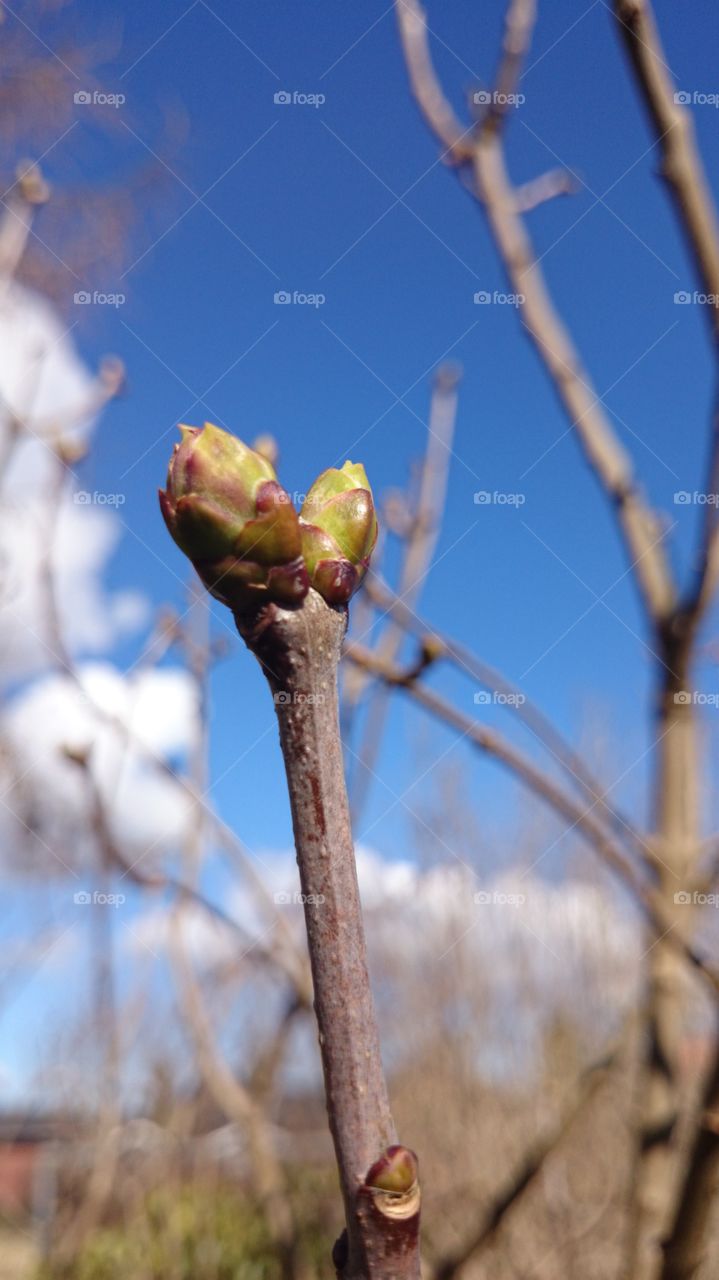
525,1177
517,702
556,182
299,651
603,451
690,1240
684,175
541,784
421,539
707,573
677,798
238,1104
112,855
425,85
518,28
681,164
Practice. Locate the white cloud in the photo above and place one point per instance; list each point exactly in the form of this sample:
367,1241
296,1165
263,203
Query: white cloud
146,810
91,618
563,933
45,385
206,940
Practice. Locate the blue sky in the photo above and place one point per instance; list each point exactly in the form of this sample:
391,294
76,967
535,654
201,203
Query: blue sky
317,196
348,199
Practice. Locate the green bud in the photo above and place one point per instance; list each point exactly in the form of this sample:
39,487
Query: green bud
225,509
396,1171
339,531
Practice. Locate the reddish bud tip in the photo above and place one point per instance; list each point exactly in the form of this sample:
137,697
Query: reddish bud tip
397,1171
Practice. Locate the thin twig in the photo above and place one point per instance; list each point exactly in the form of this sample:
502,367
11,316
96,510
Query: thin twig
421,539
518,27
538,191
437,111
239,1105
524,1179
541,784
602,449
252,947
516,702
681,168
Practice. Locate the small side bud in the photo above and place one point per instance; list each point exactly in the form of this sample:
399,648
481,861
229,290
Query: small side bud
397,1170
393,1184
339,531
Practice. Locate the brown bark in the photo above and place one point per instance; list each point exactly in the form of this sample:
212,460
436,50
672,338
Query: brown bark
682,168
676,799
494,191
602,449
299,652
676,825
688,1245
674,623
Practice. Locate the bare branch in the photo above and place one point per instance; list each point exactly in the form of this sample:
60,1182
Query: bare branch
286,953
423,531
557,182
530,1170
603,451
690,1239
238,1105
606,456
518,703
684,175
681,164
518,28
425,85
299,651
652,903
112,856
707,574
27,193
